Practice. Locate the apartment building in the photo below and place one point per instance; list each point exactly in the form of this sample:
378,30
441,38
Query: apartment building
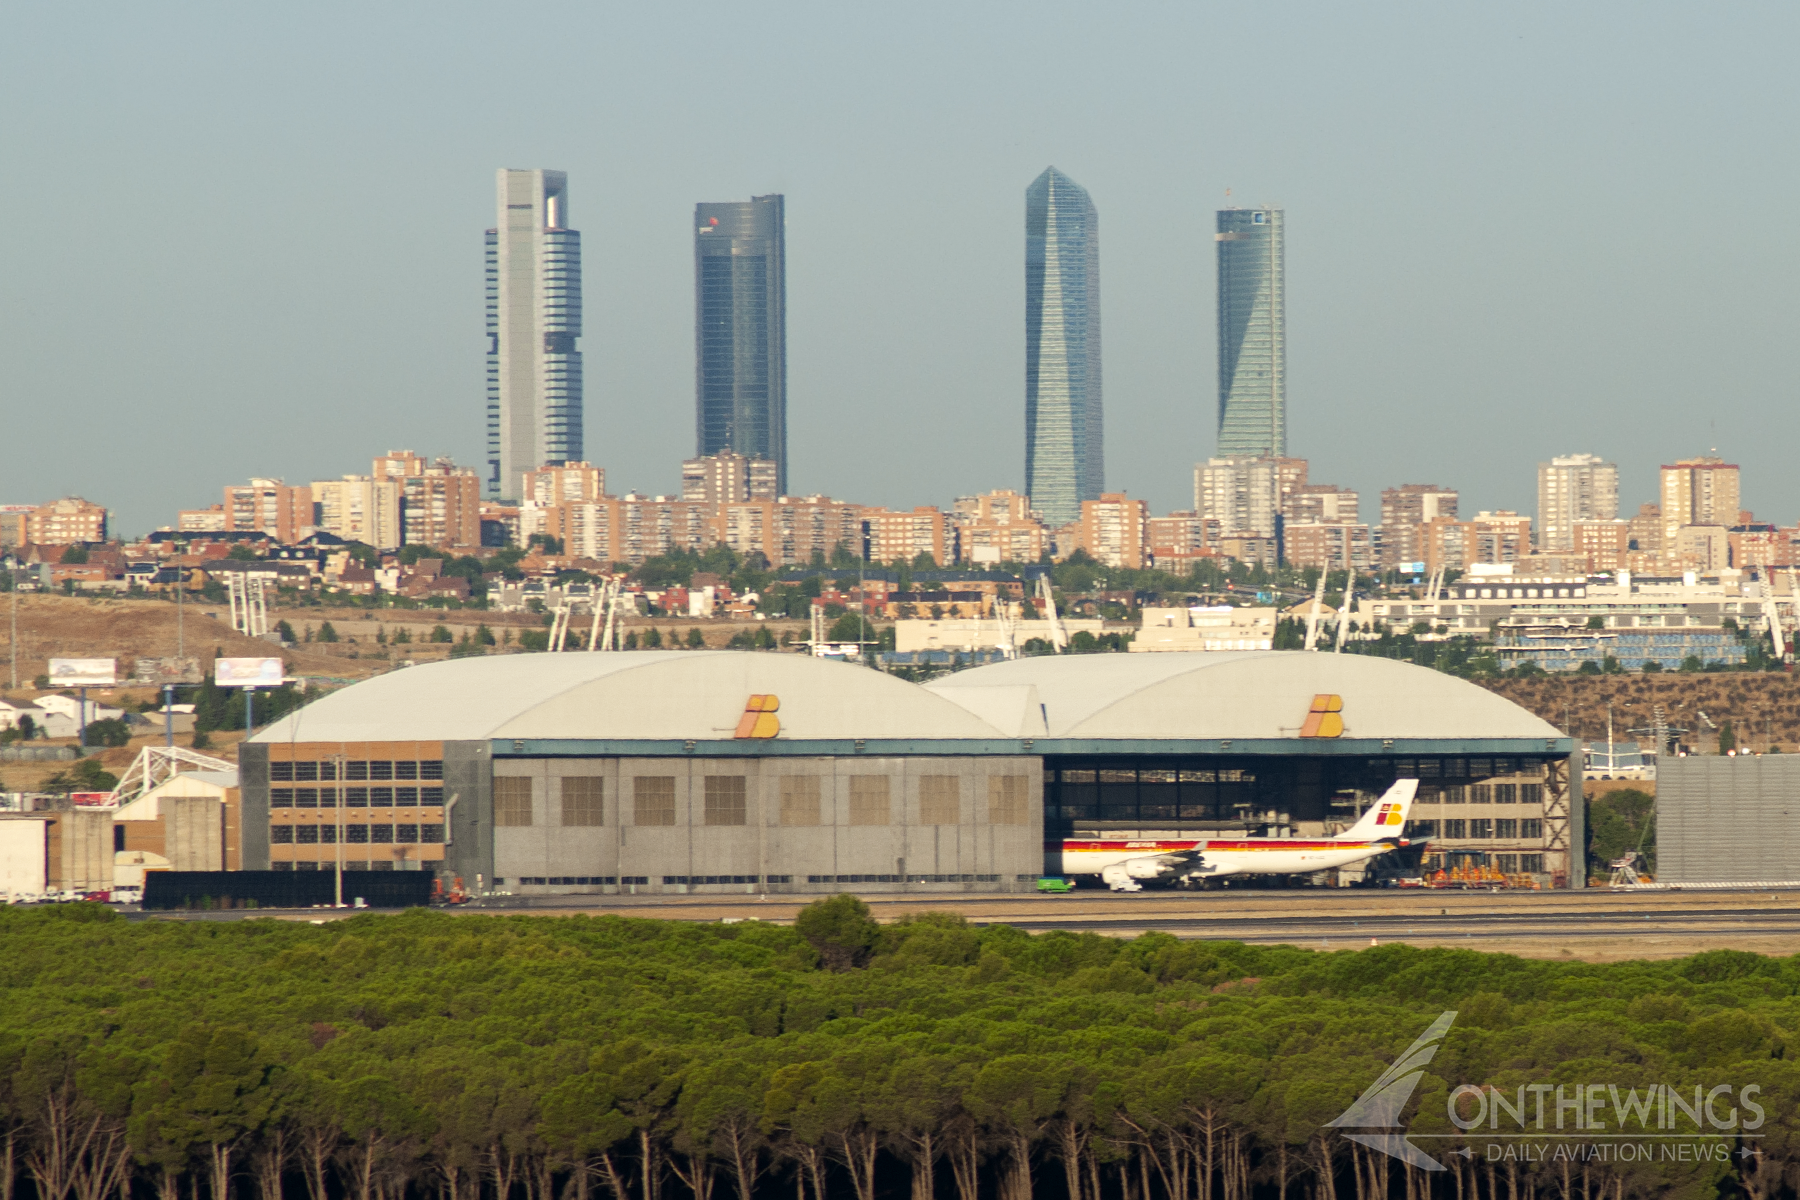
1405,511
1603,545
1329,546
201,520
1247,494
997,527
902,536
1111,529
360,508
441,506
1757,546
729,478
1174,542
1698,491
1322,504
270,506
61,522
1572,489
563,483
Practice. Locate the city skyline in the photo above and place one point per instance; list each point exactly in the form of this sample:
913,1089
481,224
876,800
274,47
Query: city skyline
1065,449
740,330
534,389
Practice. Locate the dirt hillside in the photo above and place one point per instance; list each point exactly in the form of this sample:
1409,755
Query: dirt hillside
1762,707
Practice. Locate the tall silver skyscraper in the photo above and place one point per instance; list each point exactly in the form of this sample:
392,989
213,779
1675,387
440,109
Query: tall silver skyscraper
740,330
533,319
1065,459
1252,332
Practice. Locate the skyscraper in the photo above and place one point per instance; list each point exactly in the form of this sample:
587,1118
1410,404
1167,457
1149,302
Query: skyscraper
1065,460
1252,332
1575,487
740,330
533,319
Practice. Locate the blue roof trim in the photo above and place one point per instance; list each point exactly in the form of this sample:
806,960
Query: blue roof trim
950,747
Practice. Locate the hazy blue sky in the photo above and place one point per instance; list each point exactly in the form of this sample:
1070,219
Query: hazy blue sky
247,238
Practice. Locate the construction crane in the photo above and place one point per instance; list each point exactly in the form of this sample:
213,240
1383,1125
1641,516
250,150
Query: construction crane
1059,637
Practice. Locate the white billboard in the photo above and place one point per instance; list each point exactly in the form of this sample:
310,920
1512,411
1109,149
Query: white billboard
84,672
247,672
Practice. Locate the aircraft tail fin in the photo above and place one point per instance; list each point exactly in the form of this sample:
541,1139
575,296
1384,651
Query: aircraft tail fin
1386,818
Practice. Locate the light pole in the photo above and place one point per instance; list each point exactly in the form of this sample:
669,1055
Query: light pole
12,585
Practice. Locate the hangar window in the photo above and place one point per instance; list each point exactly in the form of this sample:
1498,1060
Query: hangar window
431,833
1506,827
725,800
282,772
1007,804
940,800
1481,827
1422,829
381,770
406,833
307,835
406,797
356,770
583,800
1531,793
306,798
1481,793
305,770
800,800
1506,793
1457,829
1456,795
281,797
406,770
382,797
381,835
1531,827
512,801
869,800
357,834
1531,864
653,800
281,835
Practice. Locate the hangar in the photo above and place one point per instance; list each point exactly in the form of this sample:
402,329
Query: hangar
677,771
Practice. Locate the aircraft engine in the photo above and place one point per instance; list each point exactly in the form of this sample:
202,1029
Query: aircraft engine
1124,876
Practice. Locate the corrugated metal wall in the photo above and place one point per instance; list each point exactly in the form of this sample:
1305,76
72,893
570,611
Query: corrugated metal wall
1728,820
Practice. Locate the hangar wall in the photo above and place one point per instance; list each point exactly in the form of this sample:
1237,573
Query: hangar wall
784,823
1727,819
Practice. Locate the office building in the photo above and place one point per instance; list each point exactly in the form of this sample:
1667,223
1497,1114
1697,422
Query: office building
740,330
1252,332
1065,458
533,320
1573,488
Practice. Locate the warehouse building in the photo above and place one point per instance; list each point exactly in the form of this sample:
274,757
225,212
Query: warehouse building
720,771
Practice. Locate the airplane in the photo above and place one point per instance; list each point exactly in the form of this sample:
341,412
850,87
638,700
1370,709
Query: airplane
1123,865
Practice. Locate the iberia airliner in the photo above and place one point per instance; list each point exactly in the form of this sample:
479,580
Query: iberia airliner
1123,865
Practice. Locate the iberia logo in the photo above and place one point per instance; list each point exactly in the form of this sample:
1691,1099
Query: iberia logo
759,719
1325,719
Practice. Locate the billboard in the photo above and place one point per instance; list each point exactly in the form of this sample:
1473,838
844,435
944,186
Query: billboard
83,672
247,672
1417,568
163,671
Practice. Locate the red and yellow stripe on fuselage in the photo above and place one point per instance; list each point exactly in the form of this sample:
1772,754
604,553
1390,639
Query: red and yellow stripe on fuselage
1224,856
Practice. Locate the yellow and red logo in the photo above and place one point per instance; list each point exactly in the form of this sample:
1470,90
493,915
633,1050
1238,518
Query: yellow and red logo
759,719
1390,815
1325,719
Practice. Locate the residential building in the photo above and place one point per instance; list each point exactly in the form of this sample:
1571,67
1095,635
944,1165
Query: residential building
1328,545
1064,436
1702,549
534,404
728,477
1404,512
1247,494
740,330
201,520
1177,535
64,521
1603,545
999,526
1252,312
272,507
361,508
1698,491
1570,489
398,464
1112,530
563,483
441,506
1761,546
12,524
1320,503
1501,537
890,536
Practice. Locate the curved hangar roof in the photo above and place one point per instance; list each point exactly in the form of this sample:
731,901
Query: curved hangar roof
1247,695
646,695
700,696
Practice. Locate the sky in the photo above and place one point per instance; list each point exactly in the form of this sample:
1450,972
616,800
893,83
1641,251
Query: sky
244,240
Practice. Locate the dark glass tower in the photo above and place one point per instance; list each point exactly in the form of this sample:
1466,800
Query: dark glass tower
740,331
1252,332
1065,458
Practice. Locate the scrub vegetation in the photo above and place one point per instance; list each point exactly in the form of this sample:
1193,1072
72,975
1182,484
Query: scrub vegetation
532,1058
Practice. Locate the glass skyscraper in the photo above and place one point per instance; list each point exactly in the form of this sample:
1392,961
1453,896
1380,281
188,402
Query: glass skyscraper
1252,333
533,319
740,331
1065,458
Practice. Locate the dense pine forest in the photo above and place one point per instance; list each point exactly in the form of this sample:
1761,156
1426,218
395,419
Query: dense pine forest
426,1056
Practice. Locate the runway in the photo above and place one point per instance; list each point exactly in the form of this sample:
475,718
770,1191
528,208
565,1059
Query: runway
1595,924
